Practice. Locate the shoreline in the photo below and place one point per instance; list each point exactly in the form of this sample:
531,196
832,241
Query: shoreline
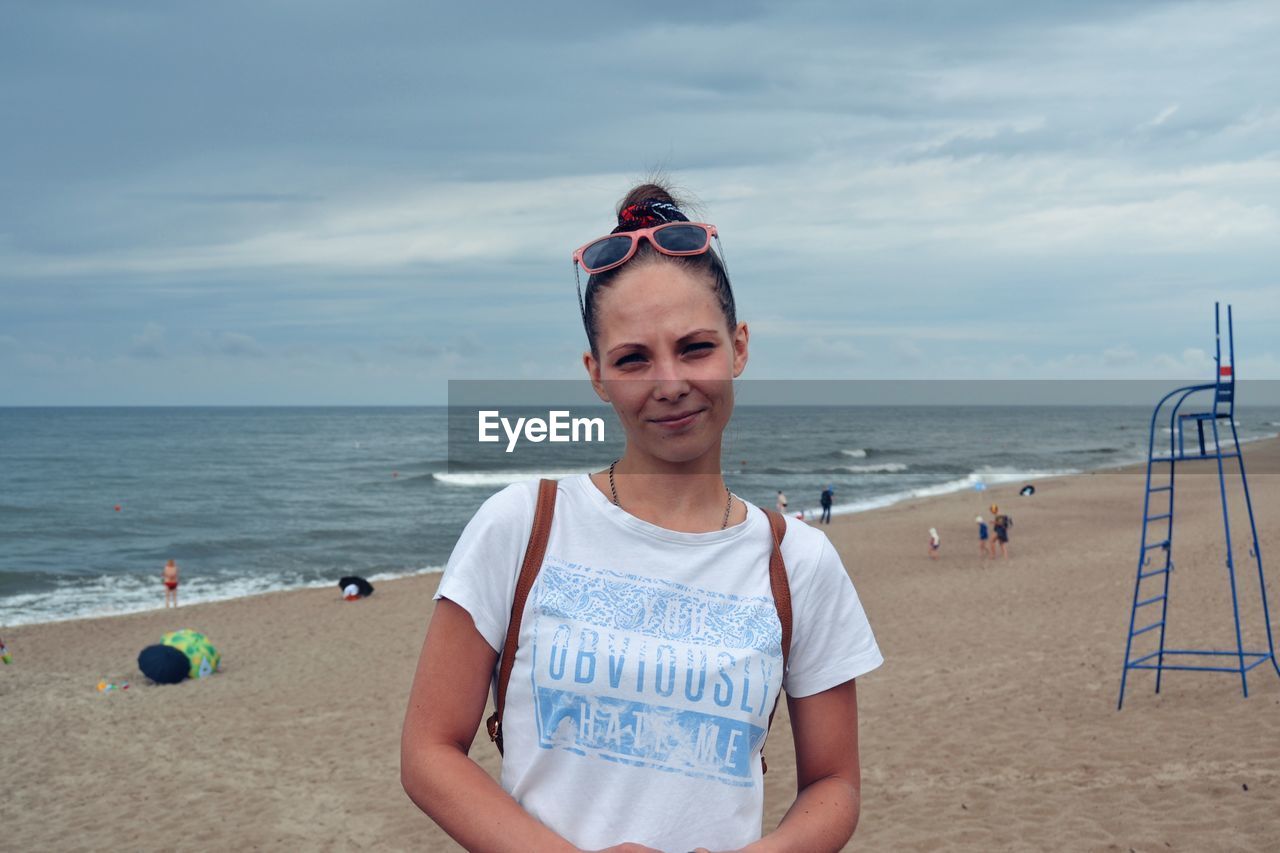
379,578
867,505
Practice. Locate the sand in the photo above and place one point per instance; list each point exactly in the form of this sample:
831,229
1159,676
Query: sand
992,725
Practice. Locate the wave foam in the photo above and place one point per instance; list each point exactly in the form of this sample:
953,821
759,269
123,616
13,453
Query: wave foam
856,453
986,475
489,479
882,468
116,595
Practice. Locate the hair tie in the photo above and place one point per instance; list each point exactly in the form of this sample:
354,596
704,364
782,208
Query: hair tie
647,214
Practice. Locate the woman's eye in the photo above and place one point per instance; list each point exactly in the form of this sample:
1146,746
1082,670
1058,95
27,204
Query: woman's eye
630,358
700,347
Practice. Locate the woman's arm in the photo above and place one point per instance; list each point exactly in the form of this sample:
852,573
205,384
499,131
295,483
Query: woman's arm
828,778
448,698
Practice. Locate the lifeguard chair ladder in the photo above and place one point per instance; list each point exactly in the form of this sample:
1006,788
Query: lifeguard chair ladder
1151,587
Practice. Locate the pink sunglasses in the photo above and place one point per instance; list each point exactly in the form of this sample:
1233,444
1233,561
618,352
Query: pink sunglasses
678,239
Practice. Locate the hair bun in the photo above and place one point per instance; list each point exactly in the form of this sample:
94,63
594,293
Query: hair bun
647,214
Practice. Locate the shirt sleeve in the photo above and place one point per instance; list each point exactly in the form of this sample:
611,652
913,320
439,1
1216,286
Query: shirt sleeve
481,574
831,639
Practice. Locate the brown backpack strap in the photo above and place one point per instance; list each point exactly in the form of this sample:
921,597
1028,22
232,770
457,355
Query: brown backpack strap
782,602
533,554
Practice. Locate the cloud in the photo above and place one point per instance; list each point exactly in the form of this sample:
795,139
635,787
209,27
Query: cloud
1161,117
840,353
1190,362
1066,184
1120,356
149,344
238,345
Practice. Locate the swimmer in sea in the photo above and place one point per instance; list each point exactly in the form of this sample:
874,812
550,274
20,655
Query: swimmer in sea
170,578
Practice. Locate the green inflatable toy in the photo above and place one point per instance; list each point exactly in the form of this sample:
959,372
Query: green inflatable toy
196,646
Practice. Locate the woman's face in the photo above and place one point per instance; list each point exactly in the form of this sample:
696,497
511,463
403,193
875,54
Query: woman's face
667,360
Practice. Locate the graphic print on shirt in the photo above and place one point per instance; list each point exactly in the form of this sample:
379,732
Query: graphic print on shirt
653,673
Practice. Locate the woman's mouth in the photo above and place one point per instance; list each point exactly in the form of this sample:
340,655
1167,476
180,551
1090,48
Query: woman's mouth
677,421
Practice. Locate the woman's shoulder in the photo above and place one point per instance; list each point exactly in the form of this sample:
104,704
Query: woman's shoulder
516,499
802,535
500,526
808,553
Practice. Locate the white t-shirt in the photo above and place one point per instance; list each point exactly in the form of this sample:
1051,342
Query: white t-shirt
649,661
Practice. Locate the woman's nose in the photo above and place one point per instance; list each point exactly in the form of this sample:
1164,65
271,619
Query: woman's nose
670,382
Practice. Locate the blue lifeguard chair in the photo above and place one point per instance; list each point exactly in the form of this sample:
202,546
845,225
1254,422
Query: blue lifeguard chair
1157,529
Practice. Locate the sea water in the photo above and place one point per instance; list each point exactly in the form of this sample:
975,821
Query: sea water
249,500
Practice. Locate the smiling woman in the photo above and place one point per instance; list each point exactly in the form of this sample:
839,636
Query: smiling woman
639,624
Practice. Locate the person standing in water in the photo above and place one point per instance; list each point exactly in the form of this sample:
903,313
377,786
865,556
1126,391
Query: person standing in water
170,578
828,495
782,503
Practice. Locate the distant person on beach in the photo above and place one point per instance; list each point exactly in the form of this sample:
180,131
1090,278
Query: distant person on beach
1000,524
170,578
828,495
632,638
782,503
984,538
934,543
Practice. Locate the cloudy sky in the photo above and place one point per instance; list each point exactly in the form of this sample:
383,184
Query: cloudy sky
297,203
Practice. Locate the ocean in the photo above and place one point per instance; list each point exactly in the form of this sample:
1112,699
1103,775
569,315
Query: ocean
248,500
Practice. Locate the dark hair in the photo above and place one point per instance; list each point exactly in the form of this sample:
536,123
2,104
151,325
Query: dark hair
708,264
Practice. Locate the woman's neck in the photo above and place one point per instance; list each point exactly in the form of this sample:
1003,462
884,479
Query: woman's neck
685,497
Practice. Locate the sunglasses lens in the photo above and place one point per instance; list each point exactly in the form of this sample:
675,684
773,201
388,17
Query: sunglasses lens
681,238
603,253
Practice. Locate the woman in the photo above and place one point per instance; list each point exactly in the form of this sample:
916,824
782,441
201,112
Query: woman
649,654
1000,525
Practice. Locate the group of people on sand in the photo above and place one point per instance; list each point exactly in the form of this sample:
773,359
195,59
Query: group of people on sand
824,500
990,539
988,543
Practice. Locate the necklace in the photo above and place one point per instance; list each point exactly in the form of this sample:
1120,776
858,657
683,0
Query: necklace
614,489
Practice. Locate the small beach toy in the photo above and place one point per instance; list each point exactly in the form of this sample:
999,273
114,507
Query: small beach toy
164,664
204,658
1028,490
994,509
4,654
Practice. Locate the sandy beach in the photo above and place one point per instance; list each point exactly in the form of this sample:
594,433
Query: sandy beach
992,725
